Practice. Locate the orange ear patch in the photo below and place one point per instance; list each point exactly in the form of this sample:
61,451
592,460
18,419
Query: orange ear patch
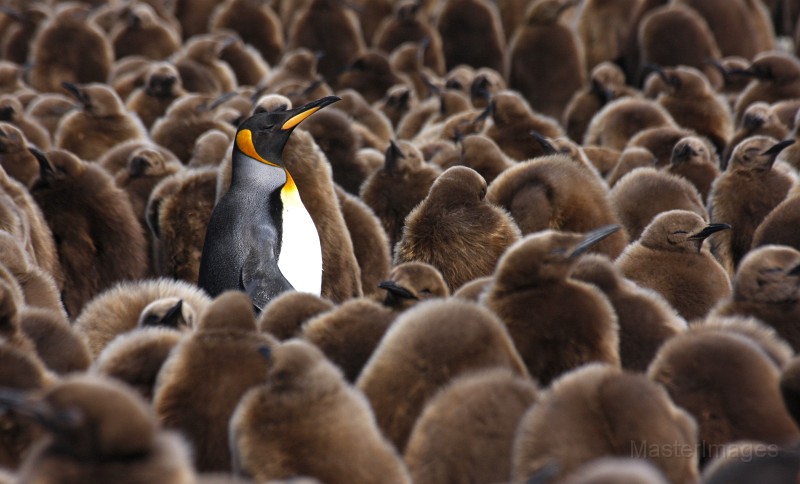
244,141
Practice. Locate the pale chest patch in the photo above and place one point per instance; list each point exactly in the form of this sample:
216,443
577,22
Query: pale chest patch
300,260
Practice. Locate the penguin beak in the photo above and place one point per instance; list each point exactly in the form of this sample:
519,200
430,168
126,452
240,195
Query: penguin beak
137,167
778,147
173,315
397,290
393,153
591,238
46,169
546,145
39,411
709,230
489,111
76,92
303,112
605,95
752,123
794,271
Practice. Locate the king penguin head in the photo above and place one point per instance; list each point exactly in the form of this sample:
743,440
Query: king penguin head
263,136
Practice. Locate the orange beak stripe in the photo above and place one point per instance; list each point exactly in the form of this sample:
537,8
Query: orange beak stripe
244,141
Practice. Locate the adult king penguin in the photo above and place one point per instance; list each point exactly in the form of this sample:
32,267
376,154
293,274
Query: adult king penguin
260,238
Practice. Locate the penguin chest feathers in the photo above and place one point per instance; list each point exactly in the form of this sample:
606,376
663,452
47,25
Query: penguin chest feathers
300,257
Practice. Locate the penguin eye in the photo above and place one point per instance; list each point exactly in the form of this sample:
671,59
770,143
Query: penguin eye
425,291
482,194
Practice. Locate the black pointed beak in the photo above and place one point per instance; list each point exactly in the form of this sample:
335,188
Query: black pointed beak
485,113
75,91
393,153
751,123
298,115
708,231
39,410
546,145
137,166
480,87
173,315
605,95
6,113
46,169
794,271
397,290
592,238
778,147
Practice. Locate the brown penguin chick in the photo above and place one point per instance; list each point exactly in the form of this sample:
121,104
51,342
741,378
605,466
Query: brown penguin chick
551,50
370,243
535,273
606,83
466,431
333,133
47,109
620,120
135,358
12,111
20,28
645,319
99,240
60,347
330,28
15,158
39,288
644,193
10,330
306,420
660,141
603,27
298,64
127,74
147,166
100,431
246,62
38,240
373,127
477,152
369,73
425,348
724,18
406,60
408,23
766,286
255,22
604,412
118,309
19,370
486,83
472,34
371,14
186,119
688,367
140,31
759,119
348,334
161,87
457,230
12,78
566,196
178,212
693,158
778,226
200,67
69,47
411,282
776,76
210,149
694,104
631,158
399,186
776,348
207,373
285,315
512,122
669,258
193,16
674,34
745,193
101,123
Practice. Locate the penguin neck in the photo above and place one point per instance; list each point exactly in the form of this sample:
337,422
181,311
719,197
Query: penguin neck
256,176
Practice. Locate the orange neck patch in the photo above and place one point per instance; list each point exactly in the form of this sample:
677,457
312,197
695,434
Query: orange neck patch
244,141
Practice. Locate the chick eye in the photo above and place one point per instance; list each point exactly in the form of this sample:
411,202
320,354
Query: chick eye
425,291
482,194
680,232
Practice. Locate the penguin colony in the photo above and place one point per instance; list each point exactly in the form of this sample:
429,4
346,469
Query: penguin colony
524,241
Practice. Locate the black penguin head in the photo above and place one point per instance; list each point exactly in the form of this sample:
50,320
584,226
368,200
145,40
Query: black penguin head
263,136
